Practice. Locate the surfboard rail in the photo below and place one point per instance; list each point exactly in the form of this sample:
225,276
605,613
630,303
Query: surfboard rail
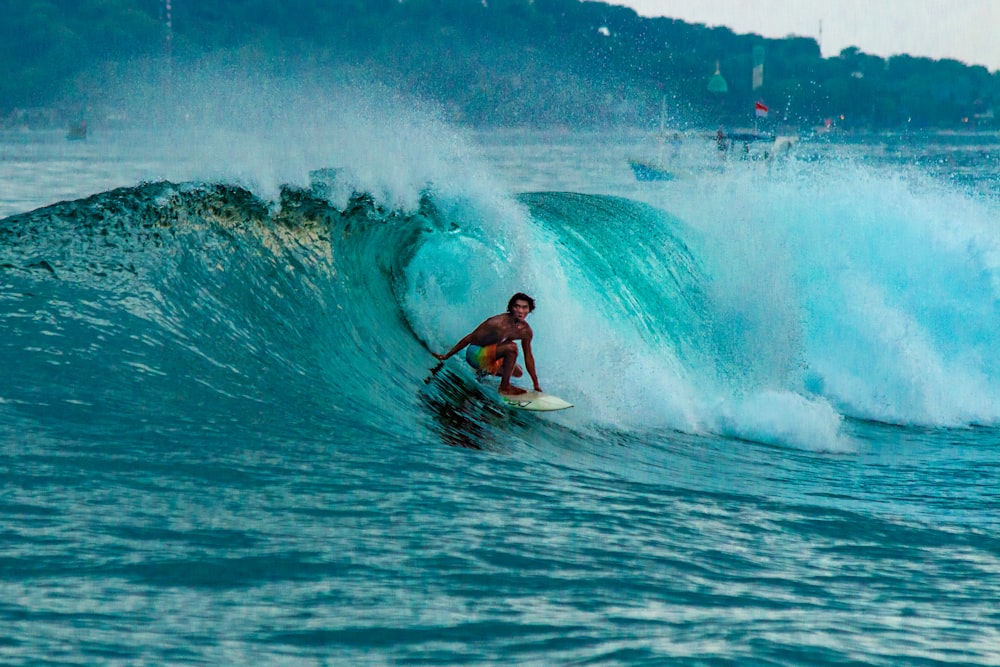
535,401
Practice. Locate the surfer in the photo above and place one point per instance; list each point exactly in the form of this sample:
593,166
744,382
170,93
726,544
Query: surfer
490,347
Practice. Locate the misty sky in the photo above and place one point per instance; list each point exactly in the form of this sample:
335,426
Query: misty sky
961,29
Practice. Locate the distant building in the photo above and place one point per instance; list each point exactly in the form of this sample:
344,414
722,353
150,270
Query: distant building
717,84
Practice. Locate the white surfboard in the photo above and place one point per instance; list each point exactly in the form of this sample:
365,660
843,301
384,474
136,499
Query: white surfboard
536,401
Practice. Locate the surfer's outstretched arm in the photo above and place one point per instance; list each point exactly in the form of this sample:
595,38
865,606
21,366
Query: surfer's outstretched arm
458,346
529,361
484,334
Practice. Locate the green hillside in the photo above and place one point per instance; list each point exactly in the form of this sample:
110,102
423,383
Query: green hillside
495,62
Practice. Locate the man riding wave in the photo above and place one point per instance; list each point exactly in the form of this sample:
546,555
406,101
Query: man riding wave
491,347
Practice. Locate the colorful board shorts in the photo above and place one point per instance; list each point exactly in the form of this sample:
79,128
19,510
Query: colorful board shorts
484,358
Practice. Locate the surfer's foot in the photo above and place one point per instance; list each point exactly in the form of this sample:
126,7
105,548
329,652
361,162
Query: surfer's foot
511,390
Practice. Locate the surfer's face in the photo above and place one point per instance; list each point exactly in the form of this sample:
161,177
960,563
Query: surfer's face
520,309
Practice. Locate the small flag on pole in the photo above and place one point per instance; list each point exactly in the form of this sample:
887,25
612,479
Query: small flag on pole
760,110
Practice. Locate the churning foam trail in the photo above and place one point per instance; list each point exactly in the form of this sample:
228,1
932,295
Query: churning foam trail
785,418
875,288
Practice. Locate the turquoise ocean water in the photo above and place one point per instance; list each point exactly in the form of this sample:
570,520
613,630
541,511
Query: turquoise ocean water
223,439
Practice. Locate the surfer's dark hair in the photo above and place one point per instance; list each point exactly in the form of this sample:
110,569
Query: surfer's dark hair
520,296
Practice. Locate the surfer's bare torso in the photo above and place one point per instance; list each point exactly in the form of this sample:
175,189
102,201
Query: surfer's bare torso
500,329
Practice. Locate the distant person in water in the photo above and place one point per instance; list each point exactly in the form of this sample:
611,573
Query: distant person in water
490,348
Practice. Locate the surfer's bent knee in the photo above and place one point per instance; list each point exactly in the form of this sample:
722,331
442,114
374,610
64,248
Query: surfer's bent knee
507,348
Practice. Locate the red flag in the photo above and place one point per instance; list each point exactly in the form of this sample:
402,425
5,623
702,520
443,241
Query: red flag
760,110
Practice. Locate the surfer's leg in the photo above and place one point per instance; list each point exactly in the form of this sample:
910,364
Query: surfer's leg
508,353
497,369
483,360
488,360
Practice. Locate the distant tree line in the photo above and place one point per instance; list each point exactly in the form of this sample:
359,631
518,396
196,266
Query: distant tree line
490,62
